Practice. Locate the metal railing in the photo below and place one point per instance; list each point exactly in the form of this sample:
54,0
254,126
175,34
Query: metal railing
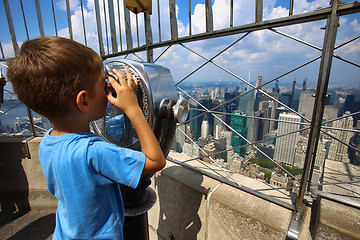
114,32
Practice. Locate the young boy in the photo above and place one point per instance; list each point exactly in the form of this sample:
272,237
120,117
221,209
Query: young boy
65,81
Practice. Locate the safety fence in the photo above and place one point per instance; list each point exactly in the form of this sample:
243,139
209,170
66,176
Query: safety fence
292,140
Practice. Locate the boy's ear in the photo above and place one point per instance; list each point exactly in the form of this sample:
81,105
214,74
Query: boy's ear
82,101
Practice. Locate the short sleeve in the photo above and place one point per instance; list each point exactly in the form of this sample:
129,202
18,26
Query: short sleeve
115,164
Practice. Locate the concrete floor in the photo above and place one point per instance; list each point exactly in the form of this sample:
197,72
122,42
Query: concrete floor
35,224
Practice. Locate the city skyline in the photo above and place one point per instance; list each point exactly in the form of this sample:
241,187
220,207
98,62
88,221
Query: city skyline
262,106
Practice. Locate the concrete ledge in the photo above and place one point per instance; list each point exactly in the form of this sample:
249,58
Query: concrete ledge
193,206
239,215
22,183
338,221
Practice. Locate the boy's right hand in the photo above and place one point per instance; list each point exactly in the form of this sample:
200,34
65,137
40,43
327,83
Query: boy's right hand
126,99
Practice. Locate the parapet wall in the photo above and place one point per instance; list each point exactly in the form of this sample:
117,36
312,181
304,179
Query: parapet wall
22,182
193,206
189,205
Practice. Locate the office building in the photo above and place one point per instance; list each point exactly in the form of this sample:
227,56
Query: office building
239,124
205,129
306,103
285,146
339,151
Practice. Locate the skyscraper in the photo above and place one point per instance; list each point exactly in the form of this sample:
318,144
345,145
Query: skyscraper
205,130
276,88
240,125
304,84
338,150
306,103
246,105
285,146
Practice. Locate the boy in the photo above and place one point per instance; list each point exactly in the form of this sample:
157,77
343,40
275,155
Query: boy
65,81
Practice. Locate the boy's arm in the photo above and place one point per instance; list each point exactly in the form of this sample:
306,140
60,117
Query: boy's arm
126,101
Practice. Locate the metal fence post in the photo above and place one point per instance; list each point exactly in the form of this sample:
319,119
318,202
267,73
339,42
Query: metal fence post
259,10
173,21
11,26
69,18
319,105
149,38
99,30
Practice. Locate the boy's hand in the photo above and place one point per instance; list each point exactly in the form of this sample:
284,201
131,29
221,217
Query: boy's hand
126,101
126,91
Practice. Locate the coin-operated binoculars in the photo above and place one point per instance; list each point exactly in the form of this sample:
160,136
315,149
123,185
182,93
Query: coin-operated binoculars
158,99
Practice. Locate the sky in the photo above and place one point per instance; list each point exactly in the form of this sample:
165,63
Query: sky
264,52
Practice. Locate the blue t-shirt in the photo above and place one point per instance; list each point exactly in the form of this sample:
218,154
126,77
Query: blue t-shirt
83,171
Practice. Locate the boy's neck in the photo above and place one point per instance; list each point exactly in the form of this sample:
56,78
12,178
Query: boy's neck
61,127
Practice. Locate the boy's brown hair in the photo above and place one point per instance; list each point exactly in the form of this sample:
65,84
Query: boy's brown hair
47,72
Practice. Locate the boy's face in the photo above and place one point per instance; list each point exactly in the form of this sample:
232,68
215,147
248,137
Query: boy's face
99,99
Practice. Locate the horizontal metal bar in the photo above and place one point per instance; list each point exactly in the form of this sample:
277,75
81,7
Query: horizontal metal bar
276,188
319,14
313,184
335,198
334,183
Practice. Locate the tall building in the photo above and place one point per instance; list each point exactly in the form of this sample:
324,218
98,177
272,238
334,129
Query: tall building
306,103
205,130
189,133
330,112
220,146
276,88
196,121
219,131
339,151
246,105
179,139
285,146
258,83
217,116
190,149
352,104
304,84
239,124
228,136
261,126
233,105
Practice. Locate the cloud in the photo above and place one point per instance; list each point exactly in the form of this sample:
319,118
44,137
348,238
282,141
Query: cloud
8,49
61,4
264,51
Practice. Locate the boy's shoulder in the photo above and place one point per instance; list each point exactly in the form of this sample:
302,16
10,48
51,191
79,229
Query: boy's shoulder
84,139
